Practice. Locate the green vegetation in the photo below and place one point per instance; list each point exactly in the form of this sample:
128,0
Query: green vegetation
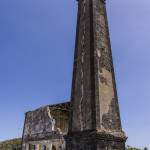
133,148
14,144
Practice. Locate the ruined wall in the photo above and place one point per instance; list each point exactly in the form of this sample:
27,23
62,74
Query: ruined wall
46,126
14,144
62,119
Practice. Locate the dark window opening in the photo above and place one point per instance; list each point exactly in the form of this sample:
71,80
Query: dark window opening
53,147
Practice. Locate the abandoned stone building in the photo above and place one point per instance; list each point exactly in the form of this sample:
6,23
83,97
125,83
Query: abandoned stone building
45,127
91,120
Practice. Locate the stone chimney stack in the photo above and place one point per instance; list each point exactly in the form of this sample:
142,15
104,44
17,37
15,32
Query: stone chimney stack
95,118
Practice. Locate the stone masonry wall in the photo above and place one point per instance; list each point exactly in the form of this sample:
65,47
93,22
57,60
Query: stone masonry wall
46,126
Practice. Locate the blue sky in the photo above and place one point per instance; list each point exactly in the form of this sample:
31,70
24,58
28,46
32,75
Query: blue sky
36,57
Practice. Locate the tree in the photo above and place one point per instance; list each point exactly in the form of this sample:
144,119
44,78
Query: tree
132,148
